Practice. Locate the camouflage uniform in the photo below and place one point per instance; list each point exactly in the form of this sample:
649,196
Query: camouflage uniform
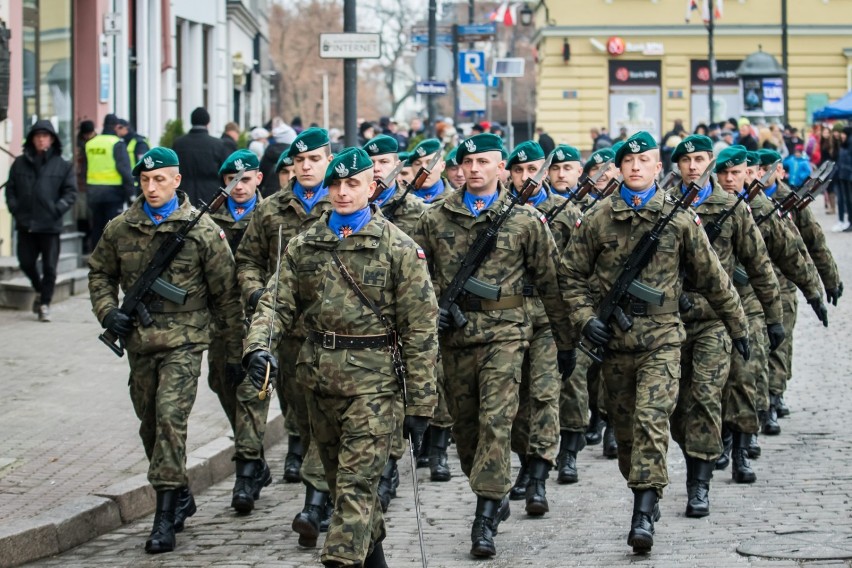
351,409
483,360
165,358
642,366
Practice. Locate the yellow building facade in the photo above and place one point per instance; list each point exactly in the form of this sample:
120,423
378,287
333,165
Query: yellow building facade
636,64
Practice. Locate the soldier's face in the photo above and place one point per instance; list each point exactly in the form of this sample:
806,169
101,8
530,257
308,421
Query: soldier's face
285,174
383,165
434,175
522,172
455,175
761,171
692,165
159,186
246,187
640,170
732,179
610,173
351,194
481,171
564,175
310,166
750,174
406,174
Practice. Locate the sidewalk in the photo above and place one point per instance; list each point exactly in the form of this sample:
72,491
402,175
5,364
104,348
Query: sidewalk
70,434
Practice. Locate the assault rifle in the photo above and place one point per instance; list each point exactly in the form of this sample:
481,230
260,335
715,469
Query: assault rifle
135,298
419,179
463,280
809,193
586,185
714,229
627,283
387,181
605,192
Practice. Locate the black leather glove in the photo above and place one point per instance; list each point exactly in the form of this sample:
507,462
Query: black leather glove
234,374
566,361
684,304
597,331
776,334
445,320
256,362
255,298
834,294
414,428
820,310
741,345
118,322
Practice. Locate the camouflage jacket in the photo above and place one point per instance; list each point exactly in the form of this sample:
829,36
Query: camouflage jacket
204,268
234,230
740,240
524,248
257,251
604,240
814,239
565,221
390,269
407,212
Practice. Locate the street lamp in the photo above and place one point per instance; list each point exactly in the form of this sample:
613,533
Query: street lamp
526,14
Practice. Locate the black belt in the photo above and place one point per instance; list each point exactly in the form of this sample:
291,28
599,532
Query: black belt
162,306
331,340
640,308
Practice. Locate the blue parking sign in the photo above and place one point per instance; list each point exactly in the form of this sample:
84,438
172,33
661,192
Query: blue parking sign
472,67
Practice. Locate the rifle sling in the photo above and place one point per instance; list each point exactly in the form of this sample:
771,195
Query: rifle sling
360,293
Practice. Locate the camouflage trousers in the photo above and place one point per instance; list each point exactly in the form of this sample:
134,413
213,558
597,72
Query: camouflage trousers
218,381
705,362
353,437
574,398
641,391
482,389
441,418
595,387
741,397
163,386
781,360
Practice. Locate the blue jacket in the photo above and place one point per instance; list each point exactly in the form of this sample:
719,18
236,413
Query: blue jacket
798,169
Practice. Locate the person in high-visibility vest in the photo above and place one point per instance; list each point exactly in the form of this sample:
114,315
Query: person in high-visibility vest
109,182
137,146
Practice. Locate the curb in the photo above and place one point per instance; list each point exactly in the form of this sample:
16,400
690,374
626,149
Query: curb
85,518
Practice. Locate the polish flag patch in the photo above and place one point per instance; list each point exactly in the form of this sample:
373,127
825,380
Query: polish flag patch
542,218
420,254
697,220
221,234
579,222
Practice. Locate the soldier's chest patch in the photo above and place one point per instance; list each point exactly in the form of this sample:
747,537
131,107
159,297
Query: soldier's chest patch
374,276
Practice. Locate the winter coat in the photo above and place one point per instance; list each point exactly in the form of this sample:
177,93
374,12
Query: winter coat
844,159
200,157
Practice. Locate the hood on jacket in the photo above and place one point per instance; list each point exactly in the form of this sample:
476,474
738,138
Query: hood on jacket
46,126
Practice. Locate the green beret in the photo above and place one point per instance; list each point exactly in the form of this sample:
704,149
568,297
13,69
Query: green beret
307,140
156,158
239,160
404,156
346,164
690,144
284,160
425,148
381,144
730,157
639,143
565,153
768,157
752,159
451,158
598,158
504,154
480,143
528,151
616,147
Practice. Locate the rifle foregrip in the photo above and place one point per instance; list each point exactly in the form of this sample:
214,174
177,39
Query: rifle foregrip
623,321
458,316
218,202
112,341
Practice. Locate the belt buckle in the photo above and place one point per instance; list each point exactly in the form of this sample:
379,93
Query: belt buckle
639,309
326,344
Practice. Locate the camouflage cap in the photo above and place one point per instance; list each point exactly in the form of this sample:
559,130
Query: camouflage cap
768,157
284,160
307,140
451,158
565,153
528,151
752,159
480,143
730,157
597,158
639,143
690,144
349,162
156,158
425,148
239,160
381,144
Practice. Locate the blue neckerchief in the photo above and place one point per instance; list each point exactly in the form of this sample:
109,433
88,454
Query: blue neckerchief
637,199
743,194
160,214
538,197
309,197
479,203
346,225
703,193
385,196
770,191
428,194
240,210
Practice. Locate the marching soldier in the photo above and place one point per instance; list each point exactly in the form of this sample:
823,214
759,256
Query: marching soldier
482,359
641,365
285,169
454,172
565,170
363,289
165,355
433,188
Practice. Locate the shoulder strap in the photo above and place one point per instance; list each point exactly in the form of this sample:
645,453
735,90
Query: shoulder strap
358,292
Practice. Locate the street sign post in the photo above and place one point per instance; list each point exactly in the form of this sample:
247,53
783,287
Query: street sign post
350,46
472,97
471,67
431,88
509,67
477,32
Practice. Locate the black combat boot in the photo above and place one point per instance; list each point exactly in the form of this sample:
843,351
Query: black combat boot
536,494
698,504
185,508
566,462
489,513
423,456
741,471
645,512
439,469
162,537
307,523
293,461
387,489
753,447
594,429
519,489
610,446
781,407
327,512
376,558
724,460
243,495
770,425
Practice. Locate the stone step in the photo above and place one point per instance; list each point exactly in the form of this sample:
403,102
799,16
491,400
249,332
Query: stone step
68,261
9,268
71,242
18,294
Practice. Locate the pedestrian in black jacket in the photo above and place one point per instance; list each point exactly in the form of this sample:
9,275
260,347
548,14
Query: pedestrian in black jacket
200,156
41,188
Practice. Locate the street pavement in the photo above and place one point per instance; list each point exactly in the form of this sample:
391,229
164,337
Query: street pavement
68,423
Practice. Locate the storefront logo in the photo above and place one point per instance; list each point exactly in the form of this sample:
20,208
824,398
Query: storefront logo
622,74
615,45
